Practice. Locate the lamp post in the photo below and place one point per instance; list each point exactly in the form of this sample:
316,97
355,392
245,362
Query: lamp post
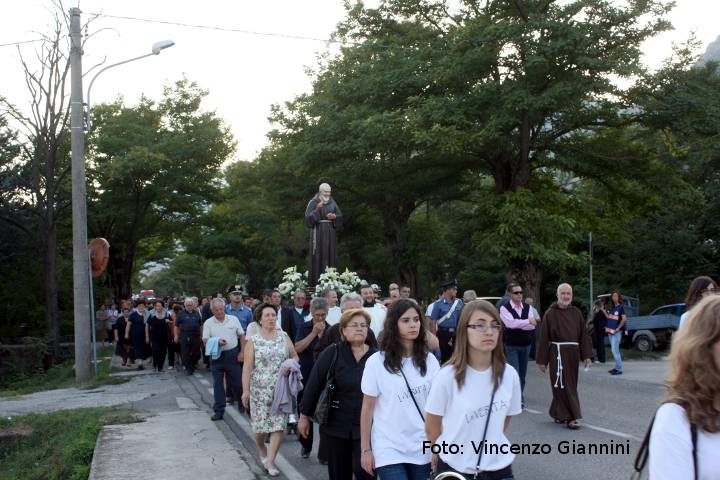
82,310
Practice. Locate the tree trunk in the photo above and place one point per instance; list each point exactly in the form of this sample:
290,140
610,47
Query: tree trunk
120,273
48,232
396,234
529,277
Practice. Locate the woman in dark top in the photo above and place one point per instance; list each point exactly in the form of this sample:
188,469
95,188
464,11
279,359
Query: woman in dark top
158,333
599,322
136,333
308,336
121,345
343,425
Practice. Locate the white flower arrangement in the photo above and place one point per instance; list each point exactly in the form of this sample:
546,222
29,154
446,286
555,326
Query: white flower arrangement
342,283
292,280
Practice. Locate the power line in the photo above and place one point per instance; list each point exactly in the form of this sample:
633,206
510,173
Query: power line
222,29
11,44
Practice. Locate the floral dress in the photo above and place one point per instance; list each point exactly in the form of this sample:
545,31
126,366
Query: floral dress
269,355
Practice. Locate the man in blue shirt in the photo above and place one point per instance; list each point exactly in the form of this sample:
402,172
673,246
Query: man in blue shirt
444,318
237,308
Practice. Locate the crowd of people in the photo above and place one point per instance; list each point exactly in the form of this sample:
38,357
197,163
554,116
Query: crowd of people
387,380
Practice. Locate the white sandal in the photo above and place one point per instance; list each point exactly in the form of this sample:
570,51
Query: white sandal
273,472
263,460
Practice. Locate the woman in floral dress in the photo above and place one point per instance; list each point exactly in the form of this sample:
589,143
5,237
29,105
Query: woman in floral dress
264,353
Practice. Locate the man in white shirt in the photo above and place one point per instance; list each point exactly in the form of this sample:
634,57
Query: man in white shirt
376,311
228,333
334,312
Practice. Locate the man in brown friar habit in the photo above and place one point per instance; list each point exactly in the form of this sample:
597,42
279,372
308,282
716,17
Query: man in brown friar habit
563,342
322,216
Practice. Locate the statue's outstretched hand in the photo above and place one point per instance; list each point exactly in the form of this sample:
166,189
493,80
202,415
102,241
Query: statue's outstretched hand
331,216
319,206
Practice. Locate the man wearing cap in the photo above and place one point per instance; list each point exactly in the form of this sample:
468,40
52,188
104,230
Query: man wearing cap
322,216
444,318
237,308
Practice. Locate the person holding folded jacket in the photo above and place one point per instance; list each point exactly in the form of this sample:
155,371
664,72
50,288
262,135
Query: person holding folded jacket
395,384
345,361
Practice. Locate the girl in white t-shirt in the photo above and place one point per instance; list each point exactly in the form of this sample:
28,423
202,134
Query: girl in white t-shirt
693,400
395,385
472,398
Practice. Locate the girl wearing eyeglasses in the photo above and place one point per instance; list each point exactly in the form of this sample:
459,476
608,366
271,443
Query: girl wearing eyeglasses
473,397
395,384
700,288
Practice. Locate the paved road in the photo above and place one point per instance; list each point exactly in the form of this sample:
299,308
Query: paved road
616,410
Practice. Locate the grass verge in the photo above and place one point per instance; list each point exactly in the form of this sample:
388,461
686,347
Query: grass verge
632,354
54,446
62,375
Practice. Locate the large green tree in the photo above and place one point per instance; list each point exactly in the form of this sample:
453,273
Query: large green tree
154,171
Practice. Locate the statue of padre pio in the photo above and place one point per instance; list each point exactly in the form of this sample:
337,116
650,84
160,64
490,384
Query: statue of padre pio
322,216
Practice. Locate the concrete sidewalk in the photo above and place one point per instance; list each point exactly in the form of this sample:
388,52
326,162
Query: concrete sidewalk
181,445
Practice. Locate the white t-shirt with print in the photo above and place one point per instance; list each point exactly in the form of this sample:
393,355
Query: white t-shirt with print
398,431
465,412
671,447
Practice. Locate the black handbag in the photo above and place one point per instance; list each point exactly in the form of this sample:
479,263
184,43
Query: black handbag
322,407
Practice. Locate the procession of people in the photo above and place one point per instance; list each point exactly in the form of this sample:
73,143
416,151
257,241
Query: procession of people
391,382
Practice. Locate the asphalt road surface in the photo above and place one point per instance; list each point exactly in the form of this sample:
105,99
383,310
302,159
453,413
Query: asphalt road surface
616,411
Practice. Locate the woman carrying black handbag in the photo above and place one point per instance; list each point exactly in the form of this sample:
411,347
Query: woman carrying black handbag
472,399
342,366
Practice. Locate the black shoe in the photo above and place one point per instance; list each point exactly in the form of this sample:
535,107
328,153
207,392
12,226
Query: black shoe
612,372
616,372
216,417
304,453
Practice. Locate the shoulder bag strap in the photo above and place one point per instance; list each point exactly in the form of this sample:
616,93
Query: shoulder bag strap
694,436
411,394
644,451
482,444
330,377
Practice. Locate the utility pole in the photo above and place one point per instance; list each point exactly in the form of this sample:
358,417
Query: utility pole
81,261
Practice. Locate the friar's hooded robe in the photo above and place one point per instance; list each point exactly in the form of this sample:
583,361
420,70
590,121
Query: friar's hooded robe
323,243
566,326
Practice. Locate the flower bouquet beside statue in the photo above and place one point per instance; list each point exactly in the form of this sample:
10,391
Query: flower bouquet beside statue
292,280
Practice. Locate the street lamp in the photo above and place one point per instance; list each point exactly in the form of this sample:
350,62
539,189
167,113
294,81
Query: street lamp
83,317
157,47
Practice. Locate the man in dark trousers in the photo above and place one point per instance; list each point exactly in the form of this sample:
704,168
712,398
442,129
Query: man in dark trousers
519,325
444,318
188,329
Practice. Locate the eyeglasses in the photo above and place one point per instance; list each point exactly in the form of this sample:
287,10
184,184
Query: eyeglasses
483,327
517,292
357,325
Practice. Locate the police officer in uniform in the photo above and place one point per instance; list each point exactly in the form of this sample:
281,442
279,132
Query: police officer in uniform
444,318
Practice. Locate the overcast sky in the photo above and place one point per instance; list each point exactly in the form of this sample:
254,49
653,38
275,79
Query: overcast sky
244,73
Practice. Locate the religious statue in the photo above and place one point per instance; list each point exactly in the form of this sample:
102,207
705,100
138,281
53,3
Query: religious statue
322,216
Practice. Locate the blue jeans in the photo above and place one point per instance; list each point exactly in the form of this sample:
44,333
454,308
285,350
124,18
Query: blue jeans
518,358
403,471
615,340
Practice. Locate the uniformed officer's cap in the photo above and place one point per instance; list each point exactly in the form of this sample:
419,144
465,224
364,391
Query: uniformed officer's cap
235,289
450,284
